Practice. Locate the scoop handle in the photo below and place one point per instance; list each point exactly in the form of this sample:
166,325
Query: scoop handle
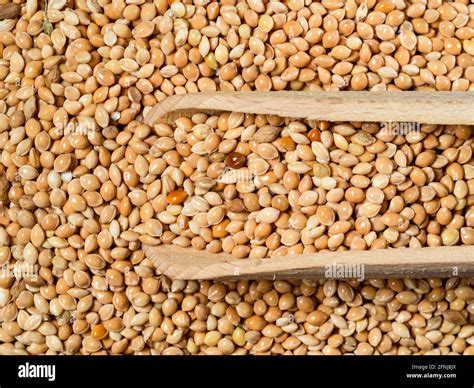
188,263
417,106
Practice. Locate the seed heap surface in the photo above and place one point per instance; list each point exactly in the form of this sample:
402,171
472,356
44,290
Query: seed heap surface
139,313
102,61
84,183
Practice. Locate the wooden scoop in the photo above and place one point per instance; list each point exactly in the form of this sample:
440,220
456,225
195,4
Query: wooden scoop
419,107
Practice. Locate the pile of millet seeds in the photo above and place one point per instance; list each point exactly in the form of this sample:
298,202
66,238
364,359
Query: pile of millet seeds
84,182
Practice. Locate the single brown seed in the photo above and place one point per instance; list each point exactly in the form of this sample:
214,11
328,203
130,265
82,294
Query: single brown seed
235,160
176,197
99,332
314,135
9,10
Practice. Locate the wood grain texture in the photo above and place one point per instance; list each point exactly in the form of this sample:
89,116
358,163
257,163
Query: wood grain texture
187,263
420,107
